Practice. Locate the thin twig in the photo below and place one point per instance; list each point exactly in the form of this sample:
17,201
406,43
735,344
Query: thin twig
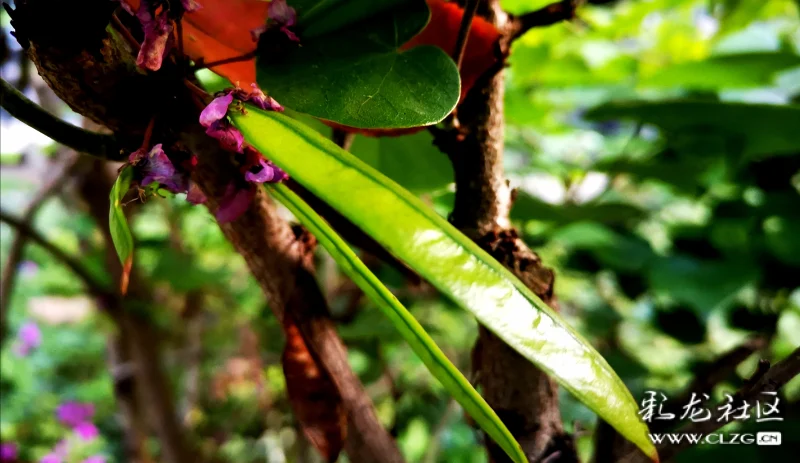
343,138
762,381
234,59
463,32
94,286
714,373
126,33
18,245
554,13
610,445
99,145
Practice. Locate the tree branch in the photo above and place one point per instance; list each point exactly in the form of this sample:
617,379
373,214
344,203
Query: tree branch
99,145
523,396
266,241
463,31
554,13
94,286
765,379
343,138
611,446
18,245
141,339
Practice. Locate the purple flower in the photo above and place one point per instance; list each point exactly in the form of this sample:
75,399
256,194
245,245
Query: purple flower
29,338
86,431
282,13
216,110
157,32
195,194
28,268
30,334
229,136
265,171
284,17
258,98
8,451
51,458
158,168
73,414
234,202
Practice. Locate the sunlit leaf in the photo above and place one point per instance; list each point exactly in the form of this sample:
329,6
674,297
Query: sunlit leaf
724,71
450,261
413,333
756,129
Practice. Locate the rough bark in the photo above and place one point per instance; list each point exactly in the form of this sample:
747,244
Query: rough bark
524,397
140,339
94,72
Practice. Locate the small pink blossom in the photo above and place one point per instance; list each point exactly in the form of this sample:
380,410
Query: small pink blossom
216,110
74,413
157,34
86,431
8,452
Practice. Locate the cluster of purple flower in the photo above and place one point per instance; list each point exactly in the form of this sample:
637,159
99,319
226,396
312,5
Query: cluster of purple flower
255,168
153,165
8,452
76,416
157,27
28,338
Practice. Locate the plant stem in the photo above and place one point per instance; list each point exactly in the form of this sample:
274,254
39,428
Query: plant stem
99,145
463,32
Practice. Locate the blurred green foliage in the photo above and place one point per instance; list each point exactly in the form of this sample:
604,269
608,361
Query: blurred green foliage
655,148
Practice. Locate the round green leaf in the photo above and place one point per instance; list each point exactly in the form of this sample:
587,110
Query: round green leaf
356,76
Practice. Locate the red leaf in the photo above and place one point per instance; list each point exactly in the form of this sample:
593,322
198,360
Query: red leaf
316,403
221,30
481,50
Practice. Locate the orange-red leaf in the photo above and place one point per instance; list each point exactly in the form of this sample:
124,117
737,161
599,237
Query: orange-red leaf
221,30
481,51
316,403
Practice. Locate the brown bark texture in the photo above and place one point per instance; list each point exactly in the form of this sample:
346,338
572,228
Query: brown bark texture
92,69
523,396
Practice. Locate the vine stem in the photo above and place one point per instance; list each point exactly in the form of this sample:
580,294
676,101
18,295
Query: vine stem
99,145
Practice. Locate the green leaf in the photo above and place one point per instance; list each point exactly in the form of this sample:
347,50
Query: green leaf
758,129
318,17
357,77
450,261
527,207
413,333
703,284
745,70
118,224
410,160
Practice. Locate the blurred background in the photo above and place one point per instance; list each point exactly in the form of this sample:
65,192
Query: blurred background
673,227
